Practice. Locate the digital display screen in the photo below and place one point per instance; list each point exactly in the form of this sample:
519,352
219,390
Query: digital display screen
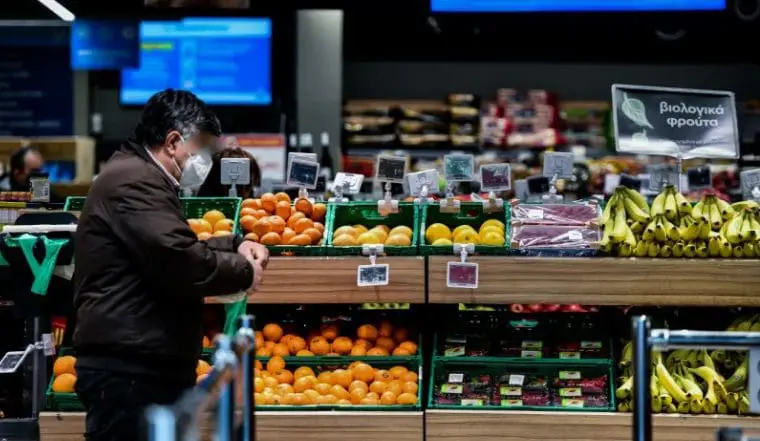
225,61
486,6
104,45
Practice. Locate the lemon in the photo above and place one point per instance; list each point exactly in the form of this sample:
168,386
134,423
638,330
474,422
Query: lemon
345,240
492,238
467,236
368,238
381,234
383,227
461,228
360,229
398,239
346,230
437,231
493,222
401,229
443,242
491,229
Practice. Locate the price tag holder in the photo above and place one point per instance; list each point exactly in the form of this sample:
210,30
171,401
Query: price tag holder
459,167
750,180
346,183
631,182
48,344
699,178
522,190
421,184
462,274
372,274
682,123
11,361
40,187
303,173
234,172
495,178
558,165
611,182
662,175
391,169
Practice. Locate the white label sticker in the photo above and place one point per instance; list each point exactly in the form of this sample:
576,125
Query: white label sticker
456,378
535,213
575,235
48,346
423,183
372,275
516,379
347,183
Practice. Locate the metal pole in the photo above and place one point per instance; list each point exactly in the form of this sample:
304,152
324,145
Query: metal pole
246,331
225,413
736,341
642,373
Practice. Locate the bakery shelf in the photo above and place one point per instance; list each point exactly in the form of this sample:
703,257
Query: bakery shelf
302,280
602,281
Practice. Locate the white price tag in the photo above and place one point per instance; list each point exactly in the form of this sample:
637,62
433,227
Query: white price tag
456,378
372,275
423,180
495,177
611,182
750,180
348,183
661,176
558,164
48,345
535,213
302,173
575,235
516,380
459,167
390,168
235,171
462,275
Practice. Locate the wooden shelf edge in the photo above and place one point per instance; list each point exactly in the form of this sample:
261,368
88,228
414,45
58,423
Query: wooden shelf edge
602,281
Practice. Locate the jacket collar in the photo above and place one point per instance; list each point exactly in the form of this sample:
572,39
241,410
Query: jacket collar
145,153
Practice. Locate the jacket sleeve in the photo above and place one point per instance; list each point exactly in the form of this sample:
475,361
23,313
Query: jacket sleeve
229,243
150,223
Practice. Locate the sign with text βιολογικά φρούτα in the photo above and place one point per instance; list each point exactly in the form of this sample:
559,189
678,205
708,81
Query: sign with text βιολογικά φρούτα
681,123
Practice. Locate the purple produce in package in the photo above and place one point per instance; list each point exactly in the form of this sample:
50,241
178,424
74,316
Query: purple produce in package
557,237
579,214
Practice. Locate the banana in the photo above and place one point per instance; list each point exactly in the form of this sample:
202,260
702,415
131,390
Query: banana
706,360
713,247
704,230
660,234
624,250
716,220
666,251
607,213
634,211
626,356
670,408
732,401
637,198
690,250
737,251
696,406
690,387
702,251
708,407
712,379
743,405
623,407
630,238
671,209
648,234
656,404
658,205
749,250
678,249
620,228
684,207
654,249
624,391
722,408
642,248
683,407
746,233
699,209
738,380
750,204
667,381
726,249
638,227
733,230
726,211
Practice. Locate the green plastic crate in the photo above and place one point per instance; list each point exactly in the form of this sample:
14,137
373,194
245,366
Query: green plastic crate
63,402
443,368
365,213
471,213
303,250
319,364
74,203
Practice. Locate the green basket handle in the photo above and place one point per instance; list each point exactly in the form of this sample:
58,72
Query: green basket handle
42,271
232,313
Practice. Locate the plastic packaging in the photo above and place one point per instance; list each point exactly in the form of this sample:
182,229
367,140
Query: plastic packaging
555,237
577,214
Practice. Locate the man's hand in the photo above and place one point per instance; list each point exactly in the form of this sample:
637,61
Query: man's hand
258,255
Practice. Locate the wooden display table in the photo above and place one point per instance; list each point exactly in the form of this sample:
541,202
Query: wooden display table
463,425
333,280
603,281
281,426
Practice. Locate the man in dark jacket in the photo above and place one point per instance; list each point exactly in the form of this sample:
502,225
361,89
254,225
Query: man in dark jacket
141,274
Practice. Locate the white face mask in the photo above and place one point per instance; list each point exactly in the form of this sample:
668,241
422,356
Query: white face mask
196,170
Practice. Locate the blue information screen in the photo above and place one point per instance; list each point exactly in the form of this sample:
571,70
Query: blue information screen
575,5
223,61
104,45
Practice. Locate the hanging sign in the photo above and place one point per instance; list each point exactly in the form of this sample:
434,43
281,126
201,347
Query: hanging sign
682,123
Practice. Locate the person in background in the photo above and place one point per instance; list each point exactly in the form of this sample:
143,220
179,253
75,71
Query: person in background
141,273
213,187
24,162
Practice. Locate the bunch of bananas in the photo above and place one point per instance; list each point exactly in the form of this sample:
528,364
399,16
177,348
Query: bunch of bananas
672,228
692,381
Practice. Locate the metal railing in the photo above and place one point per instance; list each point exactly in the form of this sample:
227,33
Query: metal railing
646,339
180,421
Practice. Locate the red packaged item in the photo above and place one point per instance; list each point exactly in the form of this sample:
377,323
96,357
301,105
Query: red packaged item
581,214
554,237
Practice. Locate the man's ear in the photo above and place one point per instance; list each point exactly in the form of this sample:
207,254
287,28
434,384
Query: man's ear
173,138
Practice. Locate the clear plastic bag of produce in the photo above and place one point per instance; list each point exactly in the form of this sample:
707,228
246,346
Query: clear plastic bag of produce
555,240
574,214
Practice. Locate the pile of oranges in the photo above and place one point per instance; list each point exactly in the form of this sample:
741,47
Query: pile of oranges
381,341
274,219
65,374
213,223
359,384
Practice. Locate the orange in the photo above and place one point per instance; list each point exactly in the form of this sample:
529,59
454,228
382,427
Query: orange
373,396
281,350
257,372
299,400
342,345
332,354
213,216
260,213
271,239
320,226
409,377
302,225
407,399
396,387
319,346
259,339
282,197
378,352
369,401
329,331
410,387
284,389
388,398
367,332
363,372
295,217
65,365
264,351
358,351
409,346
247,211
278,224
383,375
271,382
204,236
318,211
268,202
282,209
356,384
328,399
202,368
323,388
247,222
252,237
304,353
285,339
304,206
304,383
200,226
221,233
257,365
357,395
250,203
386,343
269,345
262,227
272,332
361,342
401,352
260,399
385,329
314,234
354,364
397,371
300,239
258,384
275,364
223,225
303,371
340,392
400,335
343,403
296,344
64,383
326,377
342,377
311,396
206,343
283,376
287,234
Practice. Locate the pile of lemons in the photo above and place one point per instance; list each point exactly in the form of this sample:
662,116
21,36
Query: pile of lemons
355,235
491,232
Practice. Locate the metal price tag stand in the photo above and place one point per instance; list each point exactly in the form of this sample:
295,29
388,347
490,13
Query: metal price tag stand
234,172
180,421
646,339
35,247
